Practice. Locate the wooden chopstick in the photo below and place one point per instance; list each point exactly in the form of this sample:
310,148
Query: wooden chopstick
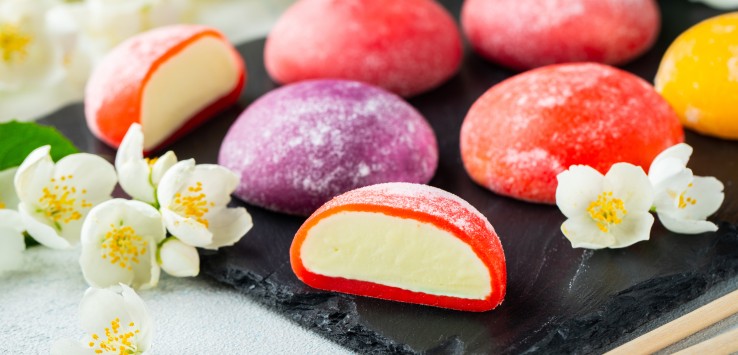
726,343
681,327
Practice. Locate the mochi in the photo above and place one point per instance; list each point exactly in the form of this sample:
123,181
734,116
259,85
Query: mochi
698,76
527,129
170,80
300,145
403,242
407,46
524,34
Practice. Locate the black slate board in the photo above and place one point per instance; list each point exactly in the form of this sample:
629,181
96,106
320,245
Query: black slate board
559,299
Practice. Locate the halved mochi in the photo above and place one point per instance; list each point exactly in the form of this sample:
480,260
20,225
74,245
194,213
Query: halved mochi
403,242
169,80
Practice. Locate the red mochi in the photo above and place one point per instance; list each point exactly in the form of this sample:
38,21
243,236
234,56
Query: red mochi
418,214
170,80
525,130
407,46
524,34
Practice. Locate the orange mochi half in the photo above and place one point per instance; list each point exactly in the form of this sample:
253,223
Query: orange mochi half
403,242
169,80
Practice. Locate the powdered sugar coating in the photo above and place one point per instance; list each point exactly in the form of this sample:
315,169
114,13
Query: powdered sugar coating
524,131
407,46
302,144
420,198
524,34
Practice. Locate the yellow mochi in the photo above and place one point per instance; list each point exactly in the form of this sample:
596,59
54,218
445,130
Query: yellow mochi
698,76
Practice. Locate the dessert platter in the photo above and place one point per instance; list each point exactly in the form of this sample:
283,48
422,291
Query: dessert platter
524,289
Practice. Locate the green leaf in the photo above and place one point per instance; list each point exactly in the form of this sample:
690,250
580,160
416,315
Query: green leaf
18,139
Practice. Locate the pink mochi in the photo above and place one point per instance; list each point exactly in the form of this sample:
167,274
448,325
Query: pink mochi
524,34
404,46
300,145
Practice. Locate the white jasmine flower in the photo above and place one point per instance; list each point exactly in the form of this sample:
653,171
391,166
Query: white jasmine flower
28,57
140,176
179,259
55,198
608,211
119,241
683,201
115,323
194,202
11,240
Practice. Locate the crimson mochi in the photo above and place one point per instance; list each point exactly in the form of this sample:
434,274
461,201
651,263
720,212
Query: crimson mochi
524,34
527,129
407,46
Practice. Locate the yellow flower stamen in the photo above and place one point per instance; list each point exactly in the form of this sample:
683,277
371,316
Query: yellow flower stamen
116,341
2,205
686,201
13,43
151,161
606,211
61,203
123,247
192,204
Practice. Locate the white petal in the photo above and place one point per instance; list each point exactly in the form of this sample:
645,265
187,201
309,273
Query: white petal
228,226
147,271
70,347
179,259
8,197
662,174
217,181
708,192
134,172
187,230
139,313
680,152
633,229
99,307
173,181
99,272
577,188
89,172
11,249
131,147
161,166
134,179
40,231
686,226
582,232
11,219
34,173
630,184
666,197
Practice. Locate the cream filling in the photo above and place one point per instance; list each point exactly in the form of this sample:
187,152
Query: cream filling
191,80
397,252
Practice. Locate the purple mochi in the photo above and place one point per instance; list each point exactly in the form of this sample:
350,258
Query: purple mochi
300,145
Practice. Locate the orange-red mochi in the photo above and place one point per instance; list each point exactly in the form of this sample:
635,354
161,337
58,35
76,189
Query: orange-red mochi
524,34
403,242
406,47
169,80
525,130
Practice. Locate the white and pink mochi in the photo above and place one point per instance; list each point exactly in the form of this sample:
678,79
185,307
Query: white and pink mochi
300,145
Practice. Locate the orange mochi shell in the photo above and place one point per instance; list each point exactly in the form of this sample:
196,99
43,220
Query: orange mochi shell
421,203
114,93
527,129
